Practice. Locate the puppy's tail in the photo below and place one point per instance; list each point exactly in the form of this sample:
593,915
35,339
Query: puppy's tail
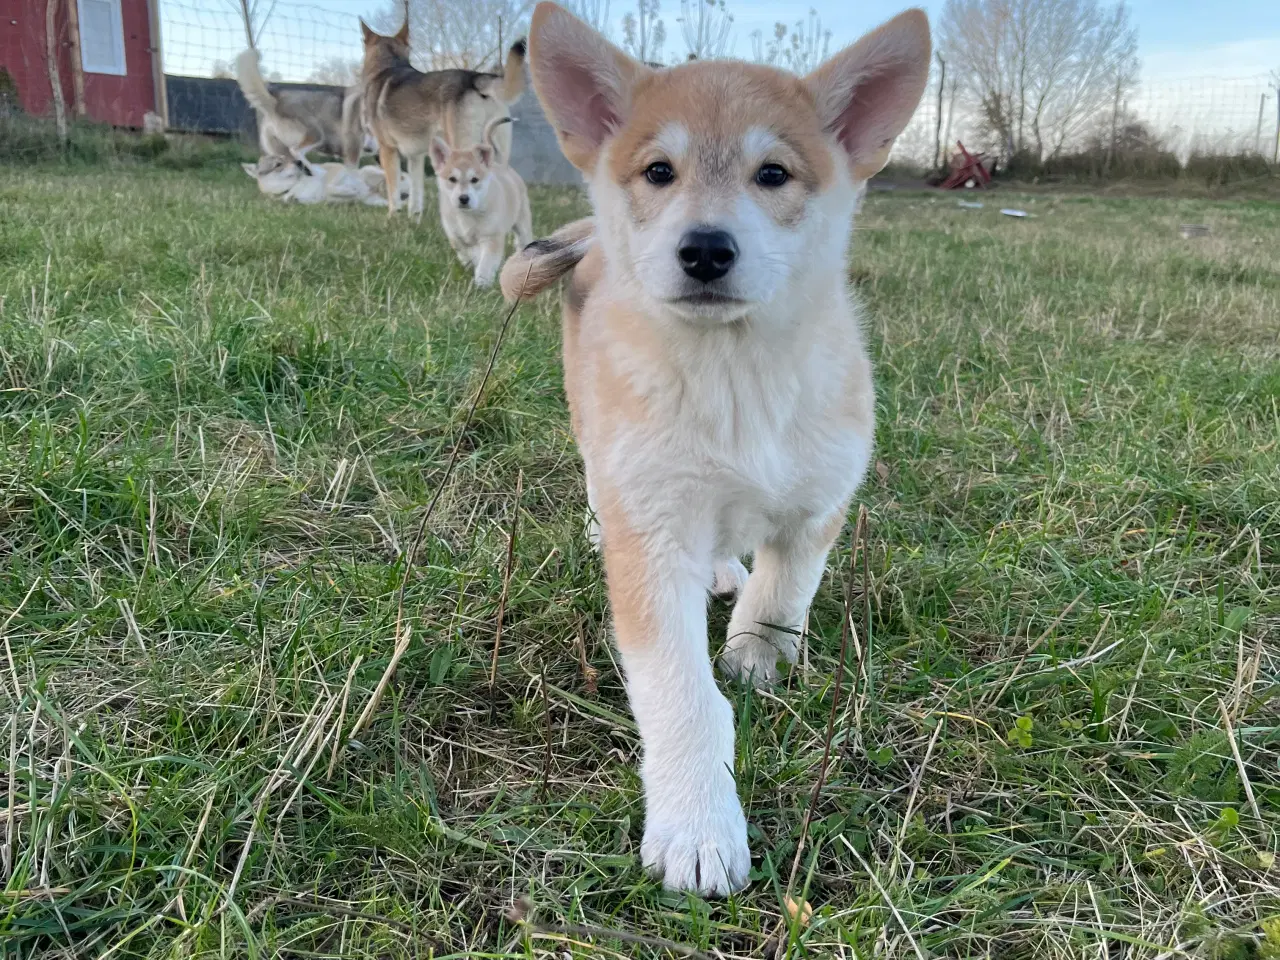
249,76
530,271
513,73
486,139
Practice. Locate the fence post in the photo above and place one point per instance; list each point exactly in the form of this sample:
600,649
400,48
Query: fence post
248,24
55,76
1115,116
1257,136
77,64
937,130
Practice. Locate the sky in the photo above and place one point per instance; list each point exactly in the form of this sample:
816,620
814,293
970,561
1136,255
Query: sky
1177,38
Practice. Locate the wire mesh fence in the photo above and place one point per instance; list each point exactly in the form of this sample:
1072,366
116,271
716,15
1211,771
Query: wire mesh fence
1182,117
298,42
307,43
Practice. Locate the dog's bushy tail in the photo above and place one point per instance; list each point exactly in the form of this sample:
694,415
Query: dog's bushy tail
530,271
513,73
249,76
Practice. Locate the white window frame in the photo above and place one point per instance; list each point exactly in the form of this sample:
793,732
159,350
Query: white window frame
120,67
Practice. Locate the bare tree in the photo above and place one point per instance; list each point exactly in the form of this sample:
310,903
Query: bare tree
644,32
595,13
254,15
336,71
706,26
768,51
800,48
445,33
1039,72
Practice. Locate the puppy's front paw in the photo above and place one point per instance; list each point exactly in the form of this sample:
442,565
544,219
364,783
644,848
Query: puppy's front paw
753,649
730,579
702,848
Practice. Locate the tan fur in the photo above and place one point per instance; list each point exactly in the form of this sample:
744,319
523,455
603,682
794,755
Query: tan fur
406,109
537,266
718,385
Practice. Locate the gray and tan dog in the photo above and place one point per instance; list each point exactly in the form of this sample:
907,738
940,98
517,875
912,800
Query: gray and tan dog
292,123
406,109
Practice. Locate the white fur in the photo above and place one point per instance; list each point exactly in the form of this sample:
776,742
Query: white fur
497,205
325,183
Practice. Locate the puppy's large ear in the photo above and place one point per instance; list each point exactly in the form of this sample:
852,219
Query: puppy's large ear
583,81
365,33
867,92
439,154
403,33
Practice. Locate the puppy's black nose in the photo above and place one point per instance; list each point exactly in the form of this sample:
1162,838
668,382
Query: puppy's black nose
464,200
707,255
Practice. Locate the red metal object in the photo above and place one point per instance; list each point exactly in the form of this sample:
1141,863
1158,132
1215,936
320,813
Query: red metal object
966,167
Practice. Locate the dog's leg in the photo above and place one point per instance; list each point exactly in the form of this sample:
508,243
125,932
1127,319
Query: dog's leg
489,259
417,185
524,225
695,835
300,154
389,159
784,577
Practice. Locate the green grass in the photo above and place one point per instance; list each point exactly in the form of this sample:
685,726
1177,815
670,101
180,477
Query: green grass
221,420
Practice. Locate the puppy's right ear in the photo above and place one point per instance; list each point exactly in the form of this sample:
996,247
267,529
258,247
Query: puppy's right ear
251,169
583,81
439,154
365,33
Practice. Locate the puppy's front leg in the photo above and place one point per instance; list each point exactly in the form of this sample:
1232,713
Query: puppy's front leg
488,259
784,578
695,835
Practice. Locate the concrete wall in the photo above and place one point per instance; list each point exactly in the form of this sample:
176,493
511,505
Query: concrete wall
535,154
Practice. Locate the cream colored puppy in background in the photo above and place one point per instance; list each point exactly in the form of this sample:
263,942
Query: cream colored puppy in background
717,380
482,200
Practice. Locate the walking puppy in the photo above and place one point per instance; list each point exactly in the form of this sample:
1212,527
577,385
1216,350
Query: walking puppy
717,380
406,109
482,200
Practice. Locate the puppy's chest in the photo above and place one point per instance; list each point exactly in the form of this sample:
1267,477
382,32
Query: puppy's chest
758,435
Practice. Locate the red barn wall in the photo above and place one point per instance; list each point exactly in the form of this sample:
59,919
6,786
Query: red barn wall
120,101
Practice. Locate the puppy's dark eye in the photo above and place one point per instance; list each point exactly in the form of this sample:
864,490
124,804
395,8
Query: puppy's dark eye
772,175
659,174
475,179
453,179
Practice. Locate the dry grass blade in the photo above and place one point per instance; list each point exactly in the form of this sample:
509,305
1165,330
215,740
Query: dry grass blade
521,911
1235,752
506,580
1017,667
8,650
402,644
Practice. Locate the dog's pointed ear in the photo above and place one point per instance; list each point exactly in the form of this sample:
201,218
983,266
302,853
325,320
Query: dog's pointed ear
251,169
365,33
485,153
867,92
583,81
439,154
403,33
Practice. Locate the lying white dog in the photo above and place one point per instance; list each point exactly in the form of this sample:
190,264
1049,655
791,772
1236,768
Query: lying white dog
326,183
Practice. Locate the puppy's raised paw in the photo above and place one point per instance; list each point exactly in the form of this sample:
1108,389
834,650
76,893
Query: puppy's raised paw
730,579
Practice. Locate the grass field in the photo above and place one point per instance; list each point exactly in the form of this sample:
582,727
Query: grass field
221,421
